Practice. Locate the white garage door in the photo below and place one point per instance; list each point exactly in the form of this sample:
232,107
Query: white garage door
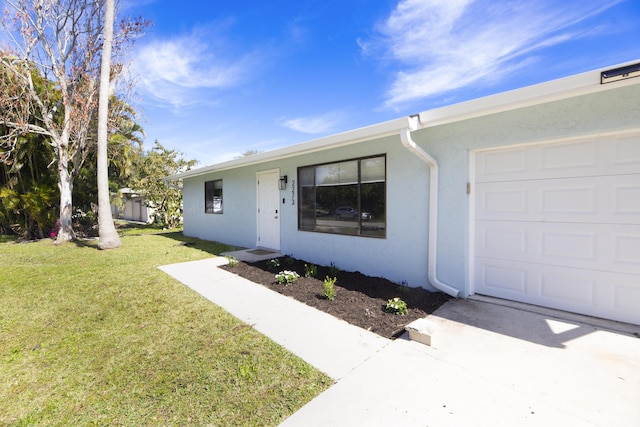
558,225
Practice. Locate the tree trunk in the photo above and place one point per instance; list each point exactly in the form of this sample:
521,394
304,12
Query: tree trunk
65,185
108,236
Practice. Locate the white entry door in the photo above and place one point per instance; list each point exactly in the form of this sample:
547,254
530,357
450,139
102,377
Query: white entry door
268,209
558,225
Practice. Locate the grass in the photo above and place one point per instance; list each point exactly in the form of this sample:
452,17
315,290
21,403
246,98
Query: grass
91,337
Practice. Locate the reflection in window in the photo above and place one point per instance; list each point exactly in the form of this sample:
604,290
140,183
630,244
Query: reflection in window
344,198
213,196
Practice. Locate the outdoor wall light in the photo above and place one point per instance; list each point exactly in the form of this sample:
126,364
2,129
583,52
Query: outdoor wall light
620,73
282,183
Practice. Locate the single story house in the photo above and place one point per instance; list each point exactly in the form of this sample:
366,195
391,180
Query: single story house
531,195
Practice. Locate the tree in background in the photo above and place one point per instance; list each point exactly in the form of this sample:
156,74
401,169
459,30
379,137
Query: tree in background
124,146
27,188
28,195
108,236
165,199
28,180
57,41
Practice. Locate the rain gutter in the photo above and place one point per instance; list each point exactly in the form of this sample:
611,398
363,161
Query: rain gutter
432,273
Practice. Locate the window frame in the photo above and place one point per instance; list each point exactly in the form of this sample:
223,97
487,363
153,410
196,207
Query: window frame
359,185
211,193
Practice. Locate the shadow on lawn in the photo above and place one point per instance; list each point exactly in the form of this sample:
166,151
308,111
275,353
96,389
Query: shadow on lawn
137,230
213,248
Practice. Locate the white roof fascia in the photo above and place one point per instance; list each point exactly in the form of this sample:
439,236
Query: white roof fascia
380,130
554,90
568,87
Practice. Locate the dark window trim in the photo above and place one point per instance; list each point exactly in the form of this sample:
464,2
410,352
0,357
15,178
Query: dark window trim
359,195
353,159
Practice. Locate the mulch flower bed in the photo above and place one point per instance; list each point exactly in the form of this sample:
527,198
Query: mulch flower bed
360,299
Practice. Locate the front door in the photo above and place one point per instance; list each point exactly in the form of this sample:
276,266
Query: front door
268,209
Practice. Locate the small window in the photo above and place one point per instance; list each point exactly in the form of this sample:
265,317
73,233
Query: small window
213,196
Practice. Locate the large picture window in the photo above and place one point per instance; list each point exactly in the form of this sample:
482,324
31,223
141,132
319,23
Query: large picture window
213,196
347,197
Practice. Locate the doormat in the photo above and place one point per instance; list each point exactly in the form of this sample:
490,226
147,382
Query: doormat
260,252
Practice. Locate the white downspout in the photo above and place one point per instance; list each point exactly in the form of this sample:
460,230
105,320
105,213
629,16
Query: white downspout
409,144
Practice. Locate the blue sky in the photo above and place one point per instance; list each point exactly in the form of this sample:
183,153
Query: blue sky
218,78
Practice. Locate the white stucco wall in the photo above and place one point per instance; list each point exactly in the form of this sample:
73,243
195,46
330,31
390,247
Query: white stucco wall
402,255
452,145
237,224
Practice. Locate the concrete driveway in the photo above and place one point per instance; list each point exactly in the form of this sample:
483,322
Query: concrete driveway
489,364
492,365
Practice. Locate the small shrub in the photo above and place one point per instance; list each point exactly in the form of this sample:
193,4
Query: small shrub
233,261
310,270
287,277
333,269
329,291
289,260
396,306
272,264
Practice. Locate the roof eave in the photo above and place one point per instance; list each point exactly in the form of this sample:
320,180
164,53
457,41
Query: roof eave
376,131
554,90
568,87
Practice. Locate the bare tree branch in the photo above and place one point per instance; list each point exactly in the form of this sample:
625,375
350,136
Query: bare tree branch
49,82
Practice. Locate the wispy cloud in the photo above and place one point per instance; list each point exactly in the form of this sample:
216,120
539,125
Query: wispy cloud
314,124
182,71
442,45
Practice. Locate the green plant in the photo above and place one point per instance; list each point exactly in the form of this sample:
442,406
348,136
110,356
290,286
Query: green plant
287,277
396,306
272,264
310,270
289,260
165,199
233,261
333,269
329,291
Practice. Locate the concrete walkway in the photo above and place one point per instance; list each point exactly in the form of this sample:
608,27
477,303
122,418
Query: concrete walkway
331,345
489,364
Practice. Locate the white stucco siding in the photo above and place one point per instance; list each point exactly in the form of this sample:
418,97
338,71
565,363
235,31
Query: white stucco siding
237,224
402,255
451,145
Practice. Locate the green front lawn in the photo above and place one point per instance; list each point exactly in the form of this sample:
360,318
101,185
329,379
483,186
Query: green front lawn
91,337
